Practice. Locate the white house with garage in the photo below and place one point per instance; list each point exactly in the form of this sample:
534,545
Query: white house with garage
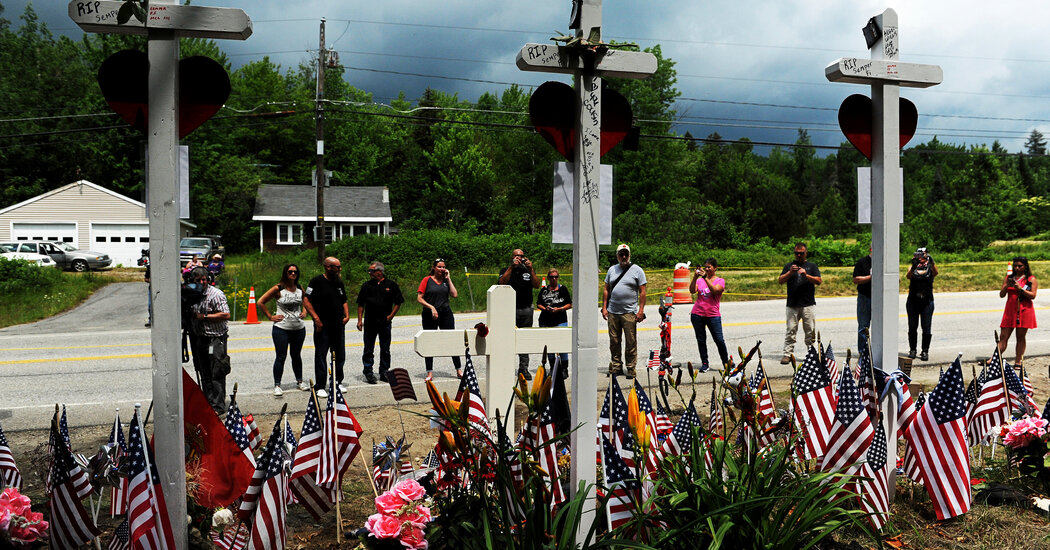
87,216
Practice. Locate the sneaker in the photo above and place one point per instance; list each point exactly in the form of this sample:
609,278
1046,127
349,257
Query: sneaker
370,378
277,391
430,376
911,354
148,324
924,356
322,394
342,388
302,385
703,368
383,378
525,373
785,359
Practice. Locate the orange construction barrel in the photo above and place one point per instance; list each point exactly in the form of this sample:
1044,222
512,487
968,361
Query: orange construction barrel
681,284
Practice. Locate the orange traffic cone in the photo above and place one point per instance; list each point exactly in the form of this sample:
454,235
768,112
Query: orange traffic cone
253,315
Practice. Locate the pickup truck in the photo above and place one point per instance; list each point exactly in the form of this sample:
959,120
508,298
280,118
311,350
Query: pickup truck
64,255
204,246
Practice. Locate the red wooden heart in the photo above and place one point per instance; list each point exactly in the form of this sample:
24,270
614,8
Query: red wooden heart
855,120
204,87
552,109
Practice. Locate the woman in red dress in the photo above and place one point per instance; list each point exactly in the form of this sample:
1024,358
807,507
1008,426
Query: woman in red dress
1019,288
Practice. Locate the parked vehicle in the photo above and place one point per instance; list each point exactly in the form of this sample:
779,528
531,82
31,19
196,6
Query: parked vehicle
64,255
36,259
204,246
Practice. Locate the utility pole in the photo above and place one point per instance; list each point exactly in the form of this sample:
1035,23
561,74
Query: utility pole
320,229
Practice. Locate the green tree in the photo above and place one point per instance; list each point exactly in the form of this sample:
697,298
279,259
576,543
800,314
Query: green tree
1035,144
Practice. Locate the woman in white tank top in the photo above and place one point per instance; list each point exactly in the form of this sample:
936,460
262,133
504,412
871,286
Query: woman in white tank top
288,326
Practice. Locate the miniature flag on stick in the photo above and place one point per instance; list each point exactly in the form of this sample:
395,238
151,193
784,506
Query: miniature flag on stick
401,384
9,474
117,494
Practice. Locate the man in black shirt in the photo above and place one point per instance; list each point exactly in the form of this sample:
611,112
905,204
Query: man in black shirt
377,304
325,301
802,278
862,278
521,276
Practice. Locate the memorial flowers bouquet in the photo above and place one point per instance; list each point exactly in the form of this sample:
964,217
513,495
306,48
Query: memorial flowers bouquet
1026,441
20,526
402,516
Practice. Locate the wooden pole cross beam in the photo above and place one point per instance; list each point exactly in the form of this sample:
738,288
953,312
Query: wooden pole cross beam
886,75
166,21
502,346
587,68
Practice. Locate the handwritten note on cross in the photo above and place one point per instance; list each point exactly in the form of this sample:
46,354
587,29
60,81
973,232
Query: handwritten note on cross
587,63
502,346
885,74
165,22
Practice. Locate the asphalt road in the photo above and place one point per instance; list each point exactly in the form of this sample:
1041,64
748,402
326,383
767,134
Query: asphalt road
96,357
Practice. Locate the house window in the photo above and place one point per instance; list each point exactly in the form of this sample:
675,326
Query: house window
289,233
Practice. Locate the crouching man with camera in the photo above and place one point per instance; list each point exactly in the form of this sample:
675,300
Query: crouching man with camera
208,330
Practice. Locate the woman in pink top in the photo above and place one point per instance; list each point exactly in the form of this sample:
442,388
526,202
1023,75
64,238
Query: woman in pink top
708,290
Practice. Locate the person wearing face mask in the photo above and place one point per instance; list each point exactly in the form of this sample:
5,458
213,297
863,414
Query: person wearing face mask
433,294
920,301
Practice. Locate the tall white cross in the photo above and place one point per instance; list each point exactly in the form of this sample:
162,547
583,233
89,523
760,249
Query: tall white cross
587,68
886,75
501,346
165,22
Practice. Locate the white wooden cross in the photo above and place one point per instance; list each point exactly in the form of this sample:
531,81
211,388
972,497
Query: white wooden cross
587,73
885,74
502,345
166,22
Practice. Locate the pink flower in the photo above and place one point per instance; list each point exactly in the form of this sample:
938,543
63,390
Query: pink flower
5,518
419,517
409,490
389,503
413,537
382,526
1023,432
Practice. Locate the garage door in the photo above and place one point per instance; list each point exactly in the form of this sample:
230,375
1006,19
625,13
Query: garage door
30,231
122,241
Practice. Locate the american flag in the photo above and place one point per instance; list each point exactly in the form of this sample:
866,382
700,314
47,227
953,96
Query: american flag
937,434
117,500
1020,397
231,537
621,484
646,407
265,503
542,434
716,421
70,524
622,438
873,492
1030,390
303,484
833,367
288,445
235,425
381,468
430,461
340,441
814,404
120,537
9,474
469,394
401,384
765,411
906,410
81,479
254,438
869,396
681,438
911,464
147,512
990,410
851,430
654,359
663,422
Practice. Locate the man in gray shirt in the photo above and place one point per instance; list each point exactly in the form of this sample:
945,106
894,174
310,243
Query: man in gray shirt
623,305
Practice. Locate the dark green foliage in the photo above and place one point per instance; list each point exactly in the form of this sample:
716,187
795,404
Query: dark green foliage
18,275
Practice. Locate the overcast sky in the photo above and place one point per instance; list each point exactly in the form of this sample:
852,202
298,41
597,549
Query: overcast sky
745,69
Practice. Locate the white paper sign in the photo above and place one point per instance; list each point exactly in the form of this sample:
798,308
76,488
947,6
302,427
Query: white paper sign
561,225
864,195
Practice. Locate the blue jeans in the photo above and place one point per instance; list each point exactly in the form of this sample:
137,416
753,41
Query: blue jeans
863,320
368,355
331,337
714,324
281,339
552,356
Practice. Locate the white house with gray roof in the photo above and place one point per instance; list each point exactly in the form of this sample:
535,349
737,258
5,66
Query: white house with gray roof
287,214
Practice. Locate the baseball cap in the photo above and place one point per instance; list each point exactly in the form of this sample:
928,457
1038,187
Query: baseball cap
623,247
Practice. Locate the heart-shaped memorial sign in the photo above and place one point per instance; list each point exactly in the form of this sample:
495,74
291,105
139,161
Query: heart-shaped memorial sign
204,87
552,109
855,121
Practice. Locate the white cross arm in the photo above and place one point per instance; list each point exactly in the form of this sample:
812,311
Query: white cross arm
870,71
449,343
550,58
191,21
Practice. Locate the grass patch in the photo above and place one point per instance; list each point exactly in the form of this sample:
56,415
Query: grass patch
53,293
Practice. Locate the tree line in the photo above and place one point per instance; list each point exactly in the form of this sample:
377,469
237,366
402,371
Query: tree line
479,167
